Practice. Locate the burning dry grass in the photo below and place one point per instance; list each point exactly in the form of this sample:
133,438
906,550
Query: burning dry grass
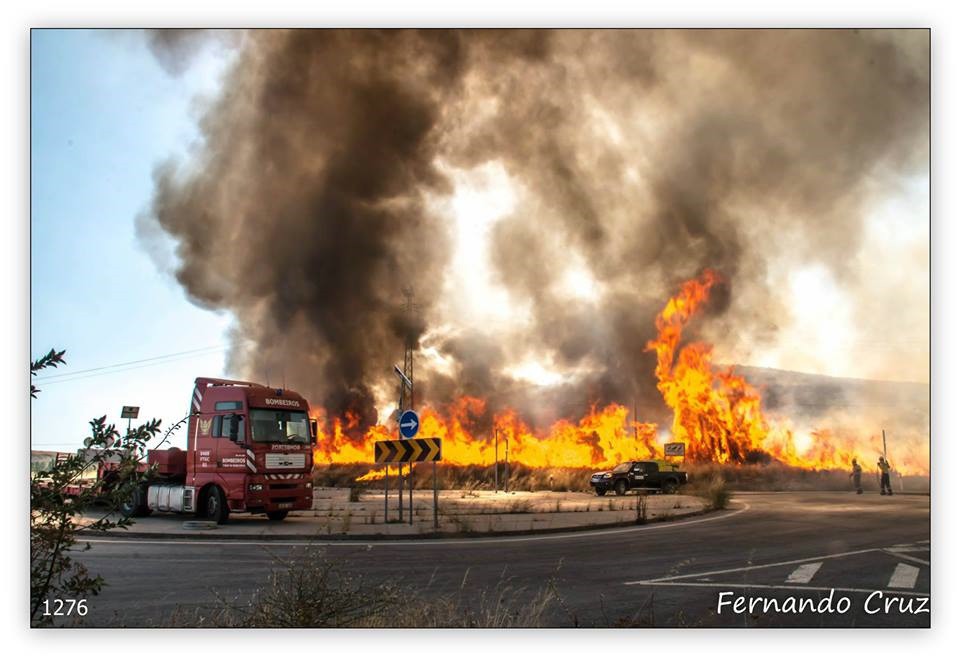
460,477
717,413
776,476
770,476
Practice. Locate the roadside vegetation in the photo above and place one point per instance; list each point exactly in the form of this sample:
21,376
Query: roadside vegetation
308,590
712,488
59,584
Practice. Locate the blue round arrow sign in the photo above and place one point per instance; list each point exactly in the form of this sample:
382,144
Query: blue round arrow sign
409,424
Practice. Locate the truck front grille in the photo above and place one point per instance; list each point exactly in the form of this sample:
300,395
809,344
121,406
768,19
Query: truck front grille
286,461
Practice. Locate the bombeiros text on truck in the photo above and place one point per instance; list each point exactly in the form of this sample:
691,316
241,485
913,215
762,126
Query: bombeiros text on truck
249,449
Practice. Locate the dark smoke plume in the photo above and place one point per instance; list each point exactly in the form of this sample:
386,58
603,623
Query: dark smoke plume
648,155
306,211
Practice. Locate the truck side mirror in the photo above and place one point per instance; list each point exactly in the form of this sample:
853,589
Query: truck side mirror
314,431
234,427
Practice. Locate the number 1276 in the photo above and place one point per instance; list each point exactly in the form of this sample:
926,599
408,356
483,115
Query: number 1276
65,607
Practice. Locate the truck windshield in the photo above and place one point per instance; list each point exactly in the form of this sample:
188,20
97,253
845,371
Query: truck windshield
278,426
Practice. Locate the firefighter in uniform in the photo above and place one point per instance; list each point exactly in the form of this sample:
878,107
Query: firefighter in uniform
855,475
884,467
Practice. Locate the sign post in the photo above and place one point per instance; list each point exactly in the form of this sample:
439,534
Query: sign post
406,385
412,450
129,413
436,516
674,449
409,423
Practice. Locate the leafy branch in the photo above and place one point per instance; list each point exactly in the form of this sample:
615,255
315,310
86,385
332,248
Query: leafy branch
51,359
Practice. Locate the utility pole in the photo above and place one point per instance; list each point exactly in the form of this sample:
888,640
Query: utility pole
496,459
406,388
506,467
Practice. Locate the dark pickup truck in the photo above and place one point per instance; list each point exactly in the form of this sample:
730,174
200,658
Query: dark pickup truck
638,475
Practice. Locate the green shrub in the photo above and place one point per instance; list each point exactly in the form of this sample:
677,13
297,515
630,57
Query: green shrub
711,487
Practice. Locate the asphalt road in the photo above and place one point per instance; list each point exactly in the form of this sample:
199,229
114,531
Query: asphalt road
778,546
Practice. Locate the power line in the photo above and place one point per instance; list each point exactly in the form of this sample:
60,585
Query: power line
123,364
140,364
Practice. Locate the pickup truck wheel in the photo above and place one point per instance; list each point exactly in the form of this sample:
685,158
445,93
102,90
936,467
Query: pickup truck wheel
277,515
601,491
621,487
215,505
669,486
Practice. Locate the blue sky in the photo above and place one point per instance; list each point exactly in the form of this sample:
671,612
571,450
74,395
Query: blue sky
103,114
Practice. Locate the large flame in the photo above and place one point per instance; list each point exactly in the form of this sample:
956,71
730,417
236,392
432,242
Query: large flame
601,437
716,413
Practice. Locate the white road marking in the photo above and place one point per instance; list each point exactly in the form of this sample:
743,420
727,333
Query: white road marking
908,547
904,577
899,555
804,573
479,541
778,587
753,568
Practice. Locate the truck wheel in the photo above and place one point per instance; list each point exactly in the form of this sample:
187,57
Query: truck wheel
621,487
601,491
128,507
136,505
215,505
669,487
277,515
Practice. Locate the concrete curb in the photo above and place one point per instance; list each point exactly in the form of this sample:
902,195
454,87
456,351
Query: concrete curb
385,537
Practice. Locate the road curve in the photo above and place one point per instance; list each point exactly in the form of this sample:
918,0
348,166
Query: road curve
668,574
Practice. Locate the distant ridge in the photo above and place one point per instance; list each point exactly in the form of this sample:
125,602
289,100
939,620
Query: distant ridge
812,397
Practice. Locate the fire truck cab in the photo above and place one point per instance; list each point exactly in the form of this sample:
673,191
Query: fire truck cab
249,449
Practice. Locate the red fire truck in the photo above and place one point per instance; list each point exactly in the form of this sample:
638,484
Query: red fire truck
249,449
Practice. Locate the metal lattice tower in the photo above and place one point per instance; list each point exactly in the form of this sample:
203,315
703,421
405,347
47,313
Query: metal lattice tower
410,310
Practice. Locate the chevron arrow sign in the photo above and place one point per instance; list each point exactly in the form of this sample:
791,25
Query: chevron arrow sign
414,450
